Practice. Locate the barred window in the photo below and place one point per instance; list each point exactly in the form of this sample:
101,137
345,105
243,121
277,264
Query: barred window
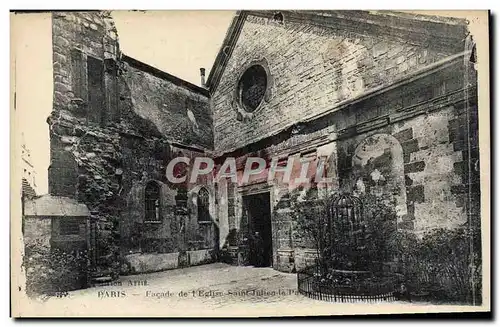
152,198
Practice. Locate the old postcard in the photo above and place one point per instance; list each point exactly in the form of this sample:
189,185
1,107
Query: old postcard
249,163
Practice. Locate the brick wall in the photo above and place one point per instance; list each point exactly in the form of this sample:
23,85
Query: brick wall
313,69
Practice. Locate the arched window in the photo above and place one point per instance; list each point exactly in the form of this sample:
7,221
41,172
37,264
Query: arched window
152,198
203,203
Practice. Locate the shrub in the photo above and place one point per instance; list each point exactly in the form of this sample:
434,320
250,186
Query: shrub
52,272
378,220
441,265
308,214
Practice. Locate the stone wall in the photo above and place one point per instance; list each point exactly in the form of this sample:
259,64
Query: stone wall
425,150
111,131
178,229
37,233
84,138
157,98
76,38
407,145
140,263
313,68
117,123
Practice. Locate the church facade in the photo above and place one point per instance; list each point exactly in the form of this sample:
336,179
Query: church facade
386,101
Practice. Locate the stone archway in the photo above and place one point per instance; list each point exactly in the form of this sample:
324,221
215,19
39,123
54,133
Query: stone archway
378,168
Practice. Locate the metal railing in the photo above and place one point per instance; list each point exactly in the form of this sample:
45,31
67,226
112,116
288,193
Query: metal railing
347,287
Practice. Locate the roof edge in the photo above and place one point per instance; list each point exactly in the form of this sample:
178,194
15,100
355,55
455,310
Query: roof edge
226,49
164,75
383,20
435,68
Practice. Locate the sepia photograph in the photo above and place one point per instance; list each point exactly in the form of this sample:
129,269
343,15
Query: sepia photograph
249,163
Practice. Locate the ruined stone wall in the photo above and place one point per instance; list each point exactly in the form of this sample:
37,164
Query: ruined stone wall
85,149
179,113
312,69
111,131
77,37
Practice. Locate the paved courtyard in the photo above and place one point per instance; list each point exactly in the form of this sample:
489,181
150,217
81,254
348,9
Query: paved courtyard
215,285
209,290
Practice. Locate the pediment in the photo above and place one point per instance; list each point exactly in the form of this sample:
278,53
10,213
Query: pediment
431,34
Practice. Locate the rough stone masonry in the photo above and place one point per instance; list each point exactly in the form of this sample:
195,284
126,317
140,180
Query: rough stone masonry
388,99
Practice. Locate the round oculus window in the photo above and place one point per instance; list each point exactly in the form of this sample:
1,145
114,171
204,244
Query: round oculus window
252,87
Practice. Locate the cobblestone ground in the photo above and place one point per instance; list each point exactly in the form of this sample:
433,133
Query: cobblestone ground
214,285
203,290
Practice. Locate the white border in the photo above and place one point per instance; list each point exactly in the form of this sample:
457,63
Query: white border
185,4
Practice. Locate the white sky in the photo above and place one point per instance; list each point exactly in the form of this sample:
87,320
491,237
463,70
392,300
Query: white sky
178,42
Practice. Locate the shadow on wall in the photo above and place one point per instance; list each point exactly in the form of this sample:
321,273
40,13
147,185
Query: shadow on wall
173,236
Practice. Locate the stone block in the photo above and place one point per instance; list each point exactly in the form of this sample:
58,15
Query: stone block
199,257
143,263
461,168
62,42
408,181
458,189
408,148
415,194
404,135
285,261
414,167
62,87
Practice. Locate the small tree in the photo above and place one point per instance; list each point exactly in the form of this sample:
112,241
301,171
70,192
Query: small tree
308,211
381,229
367,250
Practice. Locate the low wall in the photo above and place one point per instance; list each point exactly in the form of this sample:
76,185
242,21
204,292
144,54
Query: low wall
285,261
199,257
139,263
304,258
